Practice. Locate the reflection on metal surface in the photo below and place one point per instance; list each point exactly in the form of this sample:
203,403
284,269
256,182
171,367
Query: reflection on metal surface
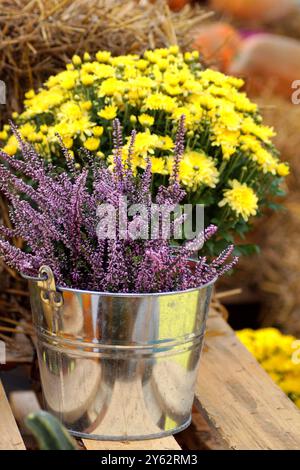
120,367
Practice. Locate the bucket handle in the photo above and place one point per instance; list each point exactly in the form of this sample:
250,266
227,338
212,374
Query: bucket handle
51,298
46,282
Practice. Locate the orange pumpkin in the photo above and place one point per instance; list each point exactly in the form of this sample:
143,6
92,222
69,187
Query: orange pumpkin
218,43
259,10
269,62
177,5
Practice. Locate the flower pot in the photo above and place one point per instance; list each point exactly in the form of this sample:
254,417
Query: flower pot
118,366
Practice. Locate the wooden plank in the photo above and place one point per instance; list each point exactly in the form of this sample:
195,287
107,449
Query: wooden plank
10,437
166,443
200,435
22,403
25,402
238,397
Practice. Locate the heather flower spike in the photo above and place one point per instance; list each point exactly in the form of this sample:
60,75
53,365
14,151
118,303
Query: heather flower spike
57,217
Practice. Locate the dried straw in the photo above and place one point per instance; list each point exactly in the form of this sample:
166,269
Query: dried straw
38,37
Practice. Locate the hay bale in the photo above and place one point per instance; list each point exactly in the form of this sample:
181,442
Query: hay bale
38,38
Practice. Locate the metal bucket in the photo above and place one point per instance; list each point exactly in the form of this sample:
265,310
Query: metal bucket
118,366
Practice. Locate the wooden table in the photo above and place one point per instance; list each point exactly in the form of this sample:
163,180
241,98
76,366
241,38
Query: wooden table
237,406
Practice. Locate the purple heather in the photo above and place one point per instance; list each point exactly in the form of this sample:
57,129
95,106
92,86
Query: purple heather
56,215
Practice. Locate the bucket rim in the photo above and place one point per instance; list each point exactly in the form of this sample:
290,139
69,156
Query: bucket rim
126,294
138,294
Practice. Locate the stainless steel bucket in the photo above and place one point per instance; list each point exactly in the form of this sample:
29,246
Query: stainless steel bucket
118,366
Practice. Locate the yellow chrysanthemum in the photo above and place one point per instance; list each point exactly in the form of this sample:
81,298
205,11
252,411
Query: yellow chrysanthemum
44,128
3,135
27,129
67,141
43,102
275,352
267,162
226,116
12,146
92,143
29,94
76,59
264,133
111,86
283,169
197,169
87,79
228,140
70,110
99,71
103,56
142,64
159,101
146,120
241,199
86,57
164,142
98,131
145,142
109,112
65,79
158,165
86,105
173,90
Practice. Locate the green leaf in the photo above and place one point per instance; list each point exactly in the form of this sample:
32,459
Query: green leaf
246,250
49,432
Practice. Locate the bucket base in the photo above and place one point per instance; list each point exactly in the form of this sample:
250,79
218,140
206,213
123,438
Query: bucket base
96,437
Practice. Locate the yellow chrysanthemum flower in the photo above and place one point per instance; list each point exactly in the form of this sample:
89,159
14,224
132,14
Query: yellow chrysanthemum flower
145,143
86,57
103,56
98,131
241,199
165,142
109,112
264,133
173,90
29,94
87,79
70,110
86,105
3,135
76,59
112,86
228,140
44,128
197,169
68,83
267,162
67,141
159,101
146,120
12,146
92,143
158,165
278,354
283,169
